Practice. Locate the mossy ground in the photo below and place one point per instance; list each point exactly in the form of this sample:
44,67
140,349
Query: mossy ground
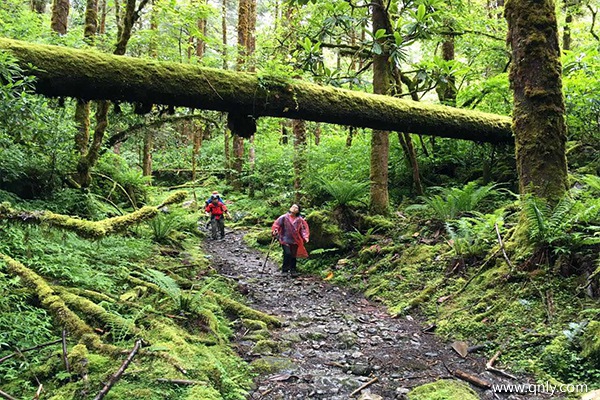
184,316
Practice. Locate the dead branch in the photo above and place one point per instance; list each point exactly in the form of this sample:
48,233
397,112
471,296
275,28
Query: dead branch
503,249
366,385
64,350
119,372
181,381
39,346
475,380
6,395
489,366
477,273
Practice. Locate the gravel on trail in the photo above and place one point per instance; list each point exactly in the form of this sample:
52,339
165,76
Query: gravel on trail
334,344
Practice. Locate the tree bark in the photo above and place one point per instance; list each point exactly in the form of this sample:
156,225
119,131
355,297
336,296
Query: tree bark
299,128
76,73
380,141
539,109
60,16
147,153
38,6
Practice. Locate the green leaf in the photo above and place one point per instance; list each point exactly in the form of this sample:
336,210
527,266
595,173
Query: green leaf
380,33
421,12
377,49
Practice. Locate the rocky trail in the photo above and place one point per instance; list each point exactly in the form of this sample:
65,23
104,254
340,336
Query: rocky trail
335,344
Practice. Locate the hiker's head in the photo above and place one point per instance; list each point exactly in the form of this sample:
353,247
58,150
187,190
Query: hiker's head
295,209
215,199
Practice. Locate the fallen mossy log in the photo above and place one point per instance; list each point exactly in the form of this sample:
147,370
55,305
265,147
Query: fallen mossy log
92,75
57,307
85,228
242,310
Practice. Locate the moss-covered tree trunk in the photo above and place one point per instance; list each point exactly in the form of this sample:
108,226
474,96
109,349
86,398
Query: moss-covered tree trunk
60,16
539,109
92,75
147,153
380,142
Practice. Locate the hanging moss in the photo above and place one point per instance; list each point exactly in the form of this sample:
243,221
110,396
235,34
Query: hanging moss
64,71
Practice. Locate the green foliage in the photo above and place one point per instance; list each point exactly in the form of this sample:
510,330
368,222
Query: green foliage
345,193
162,227
452,203
559,228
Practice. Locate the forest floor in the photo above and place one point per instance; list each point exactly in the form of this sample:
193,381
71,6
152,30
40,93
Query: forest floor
333,341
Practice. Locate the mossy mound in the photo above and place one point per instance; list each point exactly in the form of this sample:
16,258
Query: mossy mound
324,233
443,390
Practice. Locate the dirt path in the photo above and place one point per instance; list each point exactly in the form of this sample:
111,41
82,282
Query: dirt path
335,341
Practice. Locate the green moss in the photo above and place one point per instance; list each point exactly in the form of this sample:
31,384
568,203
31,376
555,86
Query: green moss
443,390
378,222
591,340
324,233
270,365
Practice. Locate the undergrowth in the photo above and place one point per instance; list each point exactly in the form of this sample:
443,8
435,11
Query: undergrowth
122,288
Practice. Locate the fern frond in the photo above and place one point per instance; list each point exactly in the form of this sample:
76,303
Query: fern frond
345,192
165,283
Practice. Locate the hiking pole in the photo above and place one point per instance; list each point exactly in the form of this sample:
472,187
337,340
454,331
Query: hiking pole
268,252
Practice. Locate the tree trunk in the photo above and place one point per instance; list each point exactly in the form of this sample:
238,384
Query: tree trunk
70,72
147,153
350,136
299,128
317,134
60,16
380,143
38,6
224,33
539,109
447,90
411,156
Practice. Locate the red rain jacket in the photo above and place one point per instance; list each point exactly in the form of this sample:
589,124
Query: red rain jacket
216,211
292,230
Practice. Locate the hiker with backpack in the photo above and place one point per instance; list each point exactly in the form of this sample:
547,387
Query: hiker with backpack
216,209
292,231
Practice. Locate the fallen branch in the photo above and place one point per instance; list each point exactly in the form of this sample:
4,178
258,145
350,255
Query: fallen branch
6,395
119,372
503,249
477,273
475,380
181,381
366,385
85,228
39,346
489,366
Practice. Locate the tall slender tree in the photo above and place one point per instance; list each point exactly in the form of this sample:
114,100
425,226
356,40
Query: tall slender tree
380,142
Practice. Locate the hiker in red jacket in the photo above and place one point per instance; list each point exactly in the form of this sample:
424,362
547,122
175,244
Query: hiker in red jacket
217,210
292,230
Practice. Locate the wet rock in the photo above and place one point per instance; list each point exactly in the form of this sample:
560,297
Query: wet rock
361,369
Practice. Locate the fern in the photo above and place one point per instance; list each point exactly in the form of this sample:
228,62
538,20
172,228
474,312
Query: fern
345,192
455,202
162,226
166,284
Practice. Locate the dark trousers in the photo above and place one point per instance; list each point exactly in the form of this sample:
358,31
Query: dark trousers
289,257
217,225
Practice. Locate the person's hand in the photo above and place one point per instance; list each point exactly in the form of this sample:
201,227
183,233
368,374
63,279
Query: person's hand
275,232
305,240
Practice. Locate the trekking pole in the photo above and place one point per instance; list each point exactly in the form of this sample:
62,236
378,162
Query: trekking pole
268,252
